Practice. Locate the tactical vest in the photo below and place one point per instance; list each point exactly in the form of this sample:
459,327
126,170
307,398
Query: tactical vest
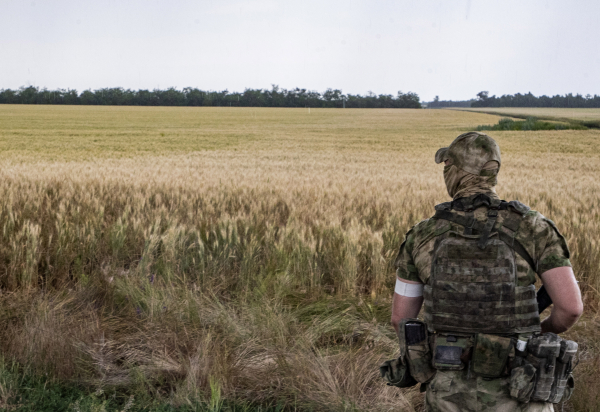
473,283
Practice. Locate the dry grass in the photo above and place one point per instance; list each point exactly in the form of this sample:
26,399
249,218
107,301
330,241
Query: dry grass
183,251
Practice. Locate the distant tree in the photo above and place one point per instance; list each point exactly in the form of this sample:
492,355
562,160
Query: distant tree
275,97
529,100
482,95
437,103
88,98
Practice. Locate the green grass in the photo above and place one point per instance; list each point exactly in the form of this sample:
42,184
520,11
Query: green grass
21,391
585,118
531,123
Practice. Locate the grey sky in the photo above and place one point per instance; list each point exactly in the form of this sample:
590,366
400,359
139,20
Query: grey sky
453,49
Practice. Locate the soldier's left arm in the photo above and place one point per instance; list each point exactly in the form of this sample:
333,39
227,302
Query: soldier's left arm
405,306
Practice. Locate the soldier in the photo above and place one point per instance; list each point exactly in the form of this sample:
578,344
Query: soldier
474,265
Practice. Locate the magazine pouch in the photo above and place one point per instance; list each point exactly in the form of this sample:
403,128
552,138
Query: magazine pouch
562,387
543,350
414,346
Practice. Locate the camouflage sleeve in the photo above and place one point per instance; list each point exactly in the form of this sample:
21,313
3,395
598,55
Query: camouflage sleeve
554,251
405,266
550,248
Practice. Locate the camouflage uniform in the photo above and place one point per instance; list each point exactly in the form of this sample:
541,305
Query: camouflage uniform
455,391
462,390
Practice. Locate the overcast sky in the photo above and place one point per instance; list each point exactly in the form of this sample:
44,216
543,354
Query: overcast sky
453,49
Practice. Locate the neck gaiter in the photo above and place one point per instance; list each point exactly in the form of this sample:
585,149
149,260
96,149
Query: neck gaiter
462,184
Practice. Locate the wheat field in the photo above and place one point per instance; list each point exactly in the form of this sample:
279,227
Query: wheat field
206,257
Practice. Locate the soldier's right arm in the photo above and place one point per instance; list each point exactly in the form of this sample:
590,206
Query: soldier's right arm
554,268
563,289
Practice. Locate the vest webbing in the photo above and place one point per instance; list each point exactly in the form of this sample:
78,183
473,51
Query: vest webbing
473,281
472,223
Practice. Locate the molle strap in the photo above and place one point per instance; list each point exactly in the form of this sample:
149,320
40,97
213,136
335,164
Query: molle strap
487,229
515,245
509,240
444,206
454,218
498,204
465,204
469,227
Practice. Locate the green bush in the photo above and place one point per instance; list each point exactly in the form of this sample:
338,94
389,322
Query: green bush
531,123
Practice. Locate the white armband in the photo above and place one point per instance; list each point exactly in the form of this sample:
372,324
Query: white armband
411,290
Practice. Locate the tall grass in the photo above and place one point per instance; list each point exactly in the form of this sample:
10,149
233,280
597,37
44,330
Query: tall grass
258,273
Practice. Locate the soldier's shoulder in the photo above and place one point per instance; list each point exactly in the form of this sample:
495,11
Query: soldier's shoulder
424,227
417,230
427,229
518,207
536,220
536,225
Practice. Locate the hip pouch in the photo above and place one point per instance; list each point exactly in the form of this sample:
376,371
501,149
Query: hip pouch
563,384
396,373
414,347
451,351
490,355
522,382
543,351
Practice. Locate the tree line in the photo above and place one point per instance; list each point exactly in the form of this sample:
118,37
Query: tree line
275,97
437,103
529,100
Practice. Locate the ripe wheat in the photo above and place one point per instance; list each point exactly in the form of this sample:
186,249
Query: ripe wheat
249,250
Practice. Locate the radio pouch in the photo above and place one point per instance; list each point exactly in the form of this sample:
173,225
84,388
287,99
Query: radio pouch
490,355
449,351
414,347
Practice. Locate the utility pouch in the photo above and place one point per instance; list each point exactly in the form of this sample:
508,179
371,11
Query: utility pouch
490,355
414,345
543,350
563,379
569,387
522,382
449,351
396,373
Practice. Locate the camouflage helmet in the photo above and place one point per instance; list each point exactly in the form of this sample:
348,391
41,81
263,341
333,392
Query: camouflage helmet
470,152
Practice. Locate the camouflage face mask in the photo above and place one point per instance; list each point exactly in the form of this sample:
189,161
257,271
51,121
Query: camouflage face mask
452,176
462,184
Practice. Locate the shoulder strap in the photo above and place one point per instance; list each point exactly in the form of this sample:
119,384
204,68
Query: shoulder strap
487,229
510,241
515,245
519,207
444,206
